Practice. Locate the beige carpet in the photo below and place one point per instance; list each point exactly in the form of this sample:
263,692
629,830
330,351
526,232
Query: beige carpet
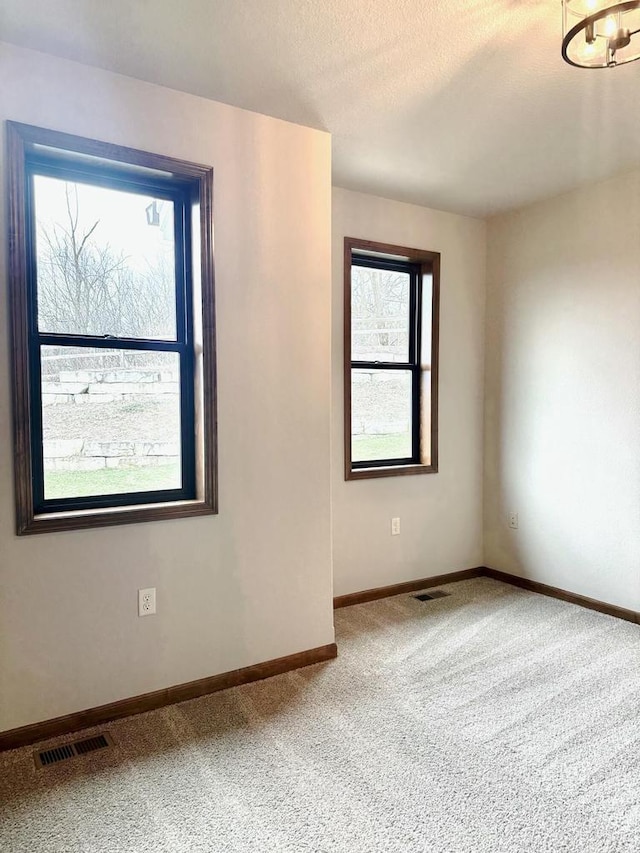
491,720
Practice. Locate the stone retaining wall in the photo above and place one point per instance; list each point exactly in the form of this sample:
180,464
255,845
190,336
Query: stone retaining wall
106,386
88,387
81,455
369,423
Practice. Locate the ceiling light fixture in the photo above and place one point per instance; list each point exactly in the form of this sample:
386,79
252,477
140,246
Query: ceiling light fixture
599,33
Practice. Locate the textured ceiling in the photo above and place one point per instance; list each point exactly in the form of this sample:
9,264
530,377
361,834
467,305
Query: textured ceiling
464,105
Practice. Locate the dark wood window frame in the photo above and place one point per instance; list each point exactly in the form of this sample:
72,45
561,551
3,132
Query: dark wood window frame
190,186
420,264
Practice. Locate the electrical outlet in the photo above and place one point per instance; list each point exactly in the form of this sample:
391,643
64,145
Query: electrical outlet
146,601
513,520
395,527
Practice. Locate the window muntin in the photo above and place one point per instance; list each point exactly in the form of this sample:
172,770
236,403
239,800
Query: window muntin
391,359
146,361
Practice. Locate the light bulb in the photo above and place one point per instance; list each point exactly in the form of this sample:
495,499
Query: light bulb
610,26
588,52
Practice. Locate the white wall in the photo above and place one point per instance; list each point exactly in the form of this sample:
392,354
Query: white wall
253,583
563,392
441,514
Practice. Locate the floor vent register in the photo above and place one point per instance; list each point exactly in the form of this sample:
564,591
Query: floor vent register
429,596
47,757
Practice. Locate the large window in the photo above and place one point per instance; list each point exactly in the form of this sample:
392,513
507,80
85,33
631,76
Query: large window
391,359
112,309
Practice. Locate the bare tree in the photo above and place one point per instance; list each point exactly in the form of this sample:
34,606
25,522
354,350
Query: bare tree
85,287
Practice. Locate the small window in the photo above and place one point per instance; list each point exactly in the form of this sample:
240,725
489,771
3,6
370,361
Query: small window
391,360
111,282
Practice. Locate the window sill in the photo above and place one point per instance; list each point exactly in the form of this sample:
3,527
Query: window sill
82,519
390,471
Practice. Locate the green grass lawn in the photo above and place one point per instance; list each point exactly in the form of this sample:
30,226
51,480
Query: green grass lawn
108,481
392,446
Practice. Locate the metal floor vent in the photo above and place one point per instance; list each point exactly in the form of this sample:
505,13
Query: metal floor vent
429,596
70,750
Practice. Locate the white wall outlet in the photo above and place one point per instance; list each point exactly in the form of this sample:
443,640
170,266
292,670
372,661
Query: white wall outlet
513,520
395,527
146,601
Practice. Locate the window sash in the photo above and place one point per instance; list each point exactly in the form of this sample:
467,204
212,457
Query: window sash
187,444
413,270
108,177
415,416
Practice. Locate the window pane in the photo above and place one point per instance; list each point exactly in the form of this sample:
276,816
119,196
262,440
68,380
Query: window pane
105,261
379,315
111,421
380,414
